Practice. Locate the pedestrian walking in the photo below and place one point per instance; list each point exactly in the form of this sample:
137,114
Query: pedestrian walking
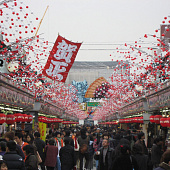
105,155
9,136
31,162
141,137
144,163
156,152
124,160
76,149
13,160
40,144
165,161
19,140
91,153
67,156
83,141
51,155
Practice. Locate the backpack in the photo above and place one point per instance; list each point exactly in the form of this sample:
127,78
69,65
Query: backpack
84,147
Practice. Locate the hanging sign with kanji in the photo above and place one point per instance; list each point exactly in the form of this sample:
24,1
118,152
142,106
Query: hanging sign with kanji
61,59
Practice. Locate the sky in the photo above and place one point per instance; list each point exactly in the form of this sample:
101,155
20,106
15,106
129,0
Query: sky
109,23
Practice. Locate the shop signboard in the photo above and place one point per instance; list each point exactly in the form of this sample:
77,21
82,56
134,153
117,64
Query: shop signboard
6,80
139,106
83,106
49,109
131,109
15,98
153,102
164,99
128,110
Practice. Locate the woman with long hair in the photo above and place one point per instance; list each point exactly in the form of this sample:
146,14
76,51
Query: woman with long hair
31,162
124,160
30,139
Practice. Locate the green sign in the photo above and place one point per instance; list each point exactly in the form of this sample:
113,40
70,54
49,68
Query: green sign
93,104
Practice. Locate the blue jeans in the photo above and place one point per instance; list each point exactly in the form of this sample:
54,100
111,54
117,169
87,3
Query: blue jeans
97,162
58,163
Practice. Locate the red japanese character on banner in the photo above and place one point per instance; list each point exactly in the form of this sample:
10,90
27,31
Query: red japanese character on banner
61,59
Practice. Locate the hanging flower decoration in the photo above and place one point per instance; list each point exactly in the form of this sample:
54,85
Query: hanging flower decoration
145,71
24,53
102,91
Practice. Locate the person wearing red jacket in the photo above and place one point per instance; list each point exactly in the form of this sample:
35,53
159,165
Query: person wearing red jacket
51,155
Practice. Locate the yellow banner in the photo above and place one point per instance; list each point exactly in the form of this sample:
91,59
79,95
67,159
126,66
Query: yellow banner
42,127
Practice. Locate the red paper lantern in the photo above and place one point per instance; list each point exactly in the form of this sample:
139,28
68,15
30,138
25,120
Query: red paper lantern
120,120
2,118
157,119
151,118
52,120
42,119
25,118
48,120
132,120
163,122
168,123
18,117
115,123
140,119
10,119
135,119
59,120
55,120
45,119
128,120
30,118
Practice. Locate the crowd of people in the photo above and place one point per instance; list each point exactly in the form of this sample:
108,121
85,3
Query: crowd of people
82,148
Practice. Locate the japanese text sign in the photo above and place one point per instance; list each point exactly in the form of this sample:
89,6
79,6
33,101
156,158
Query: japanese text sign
61,59
42,127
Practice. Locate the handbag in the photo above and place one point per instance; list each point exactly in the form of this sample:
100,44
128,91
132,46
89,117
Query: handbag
38,157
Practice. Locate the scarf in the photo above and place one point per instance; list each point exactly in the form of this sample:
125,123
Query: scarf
75,143
59,140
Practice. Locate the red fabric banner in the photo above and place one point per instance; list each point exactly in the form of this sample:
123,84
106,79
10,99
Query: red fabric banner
61,59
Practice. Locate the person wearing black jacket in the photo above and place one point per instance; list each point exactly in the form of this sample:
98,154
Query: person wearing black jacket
156,151
105,155
9,136
140,141
67,156
83,141
67,136
40,144
13,160
144,163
